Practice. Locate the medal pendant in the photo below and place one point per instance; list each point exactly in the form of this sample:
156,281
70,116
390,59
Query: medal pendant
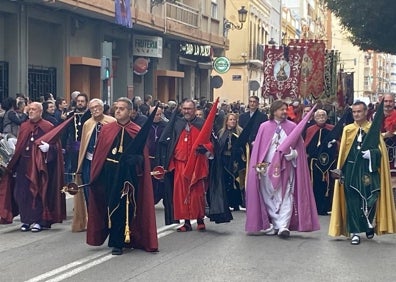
114,151
31,139
185,139
27,148
79,123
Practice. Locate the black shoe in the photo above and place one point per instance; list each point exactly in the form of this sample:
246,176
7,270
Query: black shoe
370,233
116,251
25,227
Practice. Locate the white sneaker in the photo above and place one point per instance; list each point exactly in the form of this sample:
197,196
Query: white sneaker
36,227
270,231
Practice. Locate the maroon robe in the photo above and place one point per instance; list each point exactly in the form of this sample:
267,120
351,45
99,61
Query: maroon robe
41,183
144,230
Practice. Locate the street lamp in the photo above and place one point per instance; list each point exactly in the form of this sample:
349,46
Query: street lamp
242,15
272,41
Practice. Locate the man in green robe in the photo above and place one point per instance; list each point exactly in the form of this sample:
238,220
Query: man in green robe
363,200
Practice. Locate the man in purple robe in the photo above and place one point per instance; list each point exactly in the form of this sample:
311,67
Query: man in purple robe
278,199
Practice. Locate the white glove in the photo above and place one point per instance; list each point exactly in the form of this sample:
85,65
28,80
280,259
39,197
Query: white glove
12,143
330,144
292,155
366,154
44,147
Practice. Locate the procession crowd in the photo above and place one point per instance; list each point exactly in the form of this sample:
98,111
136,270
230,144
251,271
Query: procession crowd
284,164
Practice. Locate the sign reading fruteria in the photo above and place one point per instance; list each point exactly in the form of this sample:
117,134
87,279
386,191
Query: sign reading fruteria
221,65
147,46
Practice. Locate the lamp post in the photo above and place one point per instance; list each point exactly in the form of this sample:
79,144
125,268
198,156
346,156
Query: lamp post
272,41
242,15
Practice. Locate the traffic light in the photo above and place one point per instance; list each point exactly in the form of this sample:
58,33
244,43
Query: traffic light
105,68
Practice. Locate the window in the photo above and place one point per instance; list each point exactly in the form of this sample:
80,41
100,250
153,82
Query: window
41,80
213,9
3,80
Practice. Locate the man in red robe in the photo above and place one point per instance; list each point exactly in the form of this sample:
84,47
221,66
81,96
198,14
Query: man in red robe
38,166
121,202
188,199
388,131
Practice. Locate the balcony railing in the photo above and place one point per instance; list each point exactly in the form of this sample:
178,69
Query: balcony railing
181,13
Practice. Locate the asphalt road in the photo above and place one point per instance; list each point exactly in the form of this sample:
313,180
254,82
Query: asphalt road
223,253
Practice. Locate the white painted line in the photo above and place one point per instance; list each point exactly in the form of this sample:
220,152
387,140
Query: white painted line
80,269
161,232
166,227
66,267
165,233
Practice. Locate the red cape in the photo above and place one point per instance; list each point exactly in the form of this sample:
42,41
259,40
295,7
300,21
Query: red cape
389,123
54,205
311,131
144,229
197,166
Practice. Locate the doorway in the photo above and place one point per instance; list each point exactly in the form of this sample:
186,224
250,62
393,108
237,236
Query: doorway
83,74
167,84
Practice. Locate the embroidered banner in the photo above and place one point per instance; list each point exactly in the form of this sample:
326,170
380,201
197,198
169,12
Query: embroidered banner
330,74
123,13
312,67
345,95
282,71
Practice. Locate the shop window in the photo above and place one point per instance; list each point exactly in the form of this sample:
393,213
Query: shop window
41,80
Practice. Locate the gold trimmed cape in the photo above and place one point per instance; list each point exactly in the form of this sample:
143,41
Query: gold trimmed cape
79,221
385,214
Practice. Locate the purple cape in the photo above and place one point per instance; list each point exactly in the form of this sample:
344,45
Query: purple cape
304,217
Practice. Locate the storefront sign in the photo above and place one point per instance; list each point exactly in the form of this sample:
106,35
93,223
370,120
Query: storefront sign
147,46
221,65
195,50
140,66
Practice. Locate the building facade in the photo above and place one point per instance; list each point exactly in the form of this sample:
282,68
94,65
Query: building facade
58,46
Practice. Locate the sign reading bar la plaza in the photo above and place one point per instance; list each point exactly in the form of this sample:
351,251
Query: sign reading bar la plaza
147,46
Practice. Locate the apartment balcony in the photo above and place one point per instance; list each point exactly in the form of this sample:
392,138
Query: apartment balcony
171,17
182,14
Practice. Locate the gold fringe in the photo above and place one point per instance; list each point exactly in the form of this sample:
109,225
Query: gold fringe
109,218
127,230
120,149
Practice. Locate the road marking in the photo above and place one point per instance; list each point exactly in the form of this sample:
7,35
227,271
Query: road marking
80,269
96,259
66,267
